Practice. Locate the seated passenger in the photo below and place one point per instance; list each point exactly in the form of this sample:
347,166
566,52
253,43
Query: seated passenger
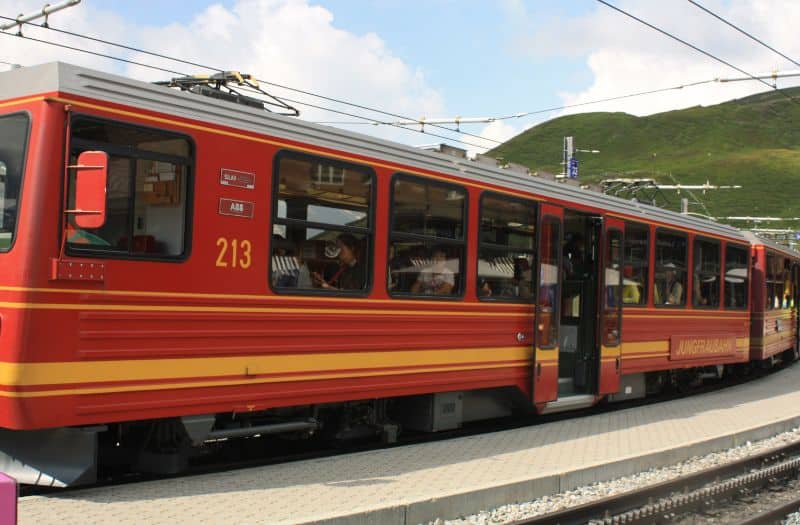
631,289
669,291
350,274
484,288
437,279
699,291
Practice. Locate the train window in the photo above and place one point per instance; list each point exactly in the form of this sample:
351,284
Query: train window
506,254
549,293
427,241
706,275
13,143
147,193
322,225
670,273
736,282
634,272
774,282
789,289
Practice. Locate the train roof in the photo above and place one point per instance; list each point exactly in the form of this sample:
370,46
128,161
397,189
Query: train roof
757,240
69,79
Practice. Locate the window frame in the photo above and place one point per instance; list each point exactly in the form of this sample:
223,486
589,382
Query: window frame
685,236
720,275
555,315
133,155
22,177
533,251
463,243
646,290
612,339
369,232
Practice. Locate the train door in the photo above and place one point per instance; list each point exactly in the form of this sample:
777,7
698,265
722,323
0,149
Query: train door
579,352
610,319
545,366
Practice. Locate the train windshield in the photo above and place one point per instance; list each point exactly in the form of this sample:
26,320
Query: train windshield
13,143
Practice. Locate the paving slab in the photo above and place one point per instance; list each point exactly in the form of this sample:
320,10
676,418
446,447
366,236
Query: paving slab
415,484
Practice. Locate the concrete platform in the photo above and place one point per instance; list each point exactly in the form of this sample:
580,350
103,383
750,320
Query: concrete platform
414,484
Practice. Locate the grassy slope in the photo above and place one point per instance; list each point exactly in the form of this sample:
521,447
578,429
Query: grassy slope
753,142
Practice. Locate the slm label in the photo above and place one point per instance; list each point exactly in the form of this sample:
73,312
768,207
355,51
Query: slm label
238,179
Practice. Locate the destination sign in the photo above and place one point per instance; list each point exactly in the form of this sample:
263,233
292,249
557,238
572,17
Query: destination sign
238,179
683,347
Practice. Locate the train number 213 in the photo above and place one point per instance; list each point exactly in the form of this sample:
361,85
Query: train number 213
234,253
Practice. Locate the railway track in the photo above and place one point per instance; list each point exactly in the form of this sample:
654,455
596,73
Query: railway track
700,493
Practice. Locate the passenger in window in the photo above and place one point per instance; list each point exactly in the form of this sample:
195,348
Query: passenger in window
523,276
402,273
285,267
670,290
631,288
484,288
350,275
700,290
437,279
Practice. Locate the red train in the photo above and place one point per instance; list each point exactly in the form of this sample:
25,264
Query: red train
178,269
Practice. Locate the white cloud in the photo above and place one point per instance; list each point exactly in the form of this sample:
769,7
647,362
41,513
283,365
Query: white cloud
495,133
289,42
625,57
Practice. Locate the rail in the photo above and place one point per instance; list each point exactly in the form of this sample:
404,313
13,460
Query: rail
684,494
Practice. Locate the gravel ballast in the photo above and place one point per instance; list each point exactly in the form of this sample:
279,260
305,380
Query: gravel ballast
588,493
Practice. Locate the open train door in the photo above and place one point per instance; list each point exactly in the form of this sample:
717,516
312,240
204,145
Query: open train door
611,312
545,360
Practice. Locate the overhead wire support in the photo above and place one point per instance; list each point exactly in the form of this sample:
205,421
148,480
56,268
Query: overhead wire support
706,53
45,12
742,31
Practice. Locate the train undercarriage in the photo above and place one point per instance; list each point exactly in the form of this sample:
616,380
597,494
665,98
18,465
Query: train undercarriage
72,456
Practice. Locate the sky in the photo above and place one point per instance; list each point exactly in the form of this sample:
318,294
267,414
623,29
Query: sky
437,58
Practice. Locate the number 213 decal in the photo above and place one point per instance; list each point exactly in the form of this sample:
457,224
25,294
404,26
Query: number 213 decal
234,253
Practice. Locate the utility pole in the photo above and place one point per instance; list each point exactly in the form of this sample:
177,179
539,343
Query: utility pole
569,160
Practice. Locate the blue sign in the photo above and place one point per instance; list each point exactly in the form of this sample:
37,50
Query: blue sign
573,168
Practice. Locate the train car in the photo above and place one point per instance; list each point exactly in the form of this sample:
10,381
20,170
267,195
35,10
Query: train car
179,269
774,328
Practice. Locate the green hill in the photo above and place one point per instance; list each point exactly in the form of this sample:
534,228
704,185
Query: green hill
753,142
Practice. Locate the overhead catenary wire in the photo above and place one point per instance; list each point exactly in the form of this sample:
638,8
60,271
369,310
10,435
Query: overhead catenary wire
274,84
684,42
142,64
742,31
569,106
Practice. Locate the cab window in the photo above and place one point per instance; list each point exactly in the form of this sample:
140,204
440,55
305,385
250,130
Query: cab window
13,145
147,196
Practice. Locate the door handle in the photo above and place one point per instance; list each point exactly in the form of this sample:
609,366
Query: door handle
538,369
